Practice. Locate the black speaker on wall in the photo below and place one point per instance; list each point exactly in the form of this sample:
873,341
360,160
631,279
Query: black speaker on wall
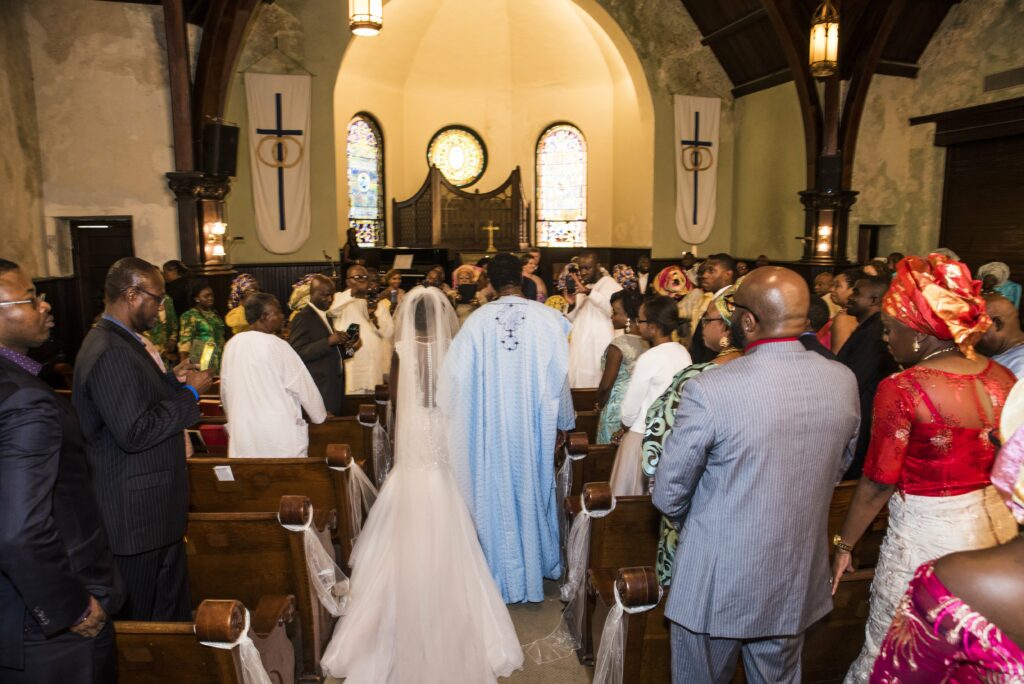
830,170
220,149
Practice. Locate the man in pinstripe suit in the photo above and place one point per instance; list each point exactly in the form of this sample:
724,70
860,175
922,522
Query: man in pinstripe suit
747,475
134,416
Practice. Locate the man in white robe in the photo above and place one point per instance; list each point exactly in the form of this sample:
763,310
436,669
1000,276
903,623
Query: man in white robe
368,366
591,316
265,386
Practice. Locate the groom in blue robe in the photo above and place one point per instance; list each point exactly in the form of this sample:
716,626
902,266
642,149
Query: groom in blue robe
505,393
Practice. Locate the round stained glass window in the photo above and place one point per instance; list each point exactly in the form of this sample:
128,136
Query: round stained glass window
459,153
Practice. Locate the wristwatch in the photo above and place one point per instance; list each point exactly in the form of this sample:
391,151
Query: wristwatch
837,541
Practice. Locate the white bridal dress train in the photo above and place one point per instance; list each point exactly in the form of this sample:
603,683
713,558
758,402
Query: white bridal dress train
423,607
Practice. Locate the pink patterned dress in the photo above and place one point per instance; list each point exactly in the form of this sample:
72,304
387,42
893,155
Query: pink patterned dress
937,638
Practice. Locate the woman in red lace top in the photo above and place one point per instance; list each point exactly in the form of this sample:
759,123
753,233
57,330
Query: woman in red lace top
930,440
961,620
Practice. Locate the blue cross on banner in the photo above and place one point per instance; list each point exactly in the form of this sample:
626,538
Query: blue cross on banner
279,117
694,158
280,158
696,126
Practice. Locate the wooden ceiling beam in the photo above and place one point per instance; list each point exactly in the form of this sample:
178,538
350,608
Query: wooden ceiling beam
860,82
763,82
737,25
892,67
792,34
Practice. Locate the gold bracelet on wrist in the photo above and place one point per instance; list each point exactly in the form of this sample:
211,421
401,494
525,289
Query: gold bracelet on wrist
837,542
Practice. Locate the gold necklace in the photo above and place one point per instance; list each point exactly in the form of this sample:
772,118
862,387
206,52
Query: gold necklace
727,351
936,353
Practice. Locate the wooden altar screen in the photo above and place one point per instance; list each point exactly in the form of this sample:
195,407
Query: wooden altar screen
441,214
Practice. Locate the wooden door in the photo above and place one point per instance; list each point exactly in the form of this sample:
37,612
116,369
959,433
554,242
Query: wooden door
97,244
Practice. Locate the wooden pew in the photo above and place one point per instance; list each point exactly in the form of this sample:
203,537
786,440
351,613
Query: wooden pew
159,652
351,404
584,398
831,644
244,556
355,431
628,536
591,462
647,654
586,422
259,483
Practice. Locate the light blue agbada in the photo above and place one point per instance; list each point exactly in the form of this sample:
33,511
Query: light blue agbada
505,391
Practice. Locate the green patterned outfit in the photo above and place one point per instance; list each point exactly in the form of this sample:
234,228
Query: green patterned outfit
165,328
660,418
197,327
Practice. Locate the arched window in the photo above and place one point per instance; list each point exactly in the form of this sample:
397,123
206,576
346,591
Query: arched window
365,153
562,187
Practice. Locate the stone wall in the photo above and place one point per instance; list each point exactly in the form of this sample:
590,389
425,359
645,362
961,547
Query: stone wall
103,104
21,215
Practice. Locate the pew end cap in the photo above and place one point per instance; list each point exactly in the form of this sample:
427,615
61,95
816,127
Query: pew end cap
220,621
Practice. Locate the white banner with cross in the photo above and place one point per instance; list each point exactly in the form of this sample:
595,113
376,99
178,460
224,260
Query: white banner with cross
696,166
279,116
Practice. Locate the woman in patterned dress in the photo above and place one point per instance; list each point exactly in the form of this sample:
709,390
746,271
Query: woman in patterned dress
930,455
619,358
201,324
164,333
660,417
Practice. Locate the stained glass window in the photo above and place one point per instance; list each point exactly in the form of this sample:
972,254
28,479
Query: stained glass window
365,153
562,187
459,153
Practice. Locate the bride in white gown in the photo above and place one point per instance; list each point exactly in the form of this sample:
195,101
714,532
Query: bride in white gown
423,607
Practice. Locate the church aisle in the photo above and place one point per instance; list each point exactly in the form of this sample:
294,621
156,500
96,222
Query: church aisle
533,621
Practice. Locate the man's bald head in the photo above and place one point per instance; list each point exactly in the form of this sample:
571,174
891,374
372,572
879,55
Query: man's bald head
1005,330
321,292
775,301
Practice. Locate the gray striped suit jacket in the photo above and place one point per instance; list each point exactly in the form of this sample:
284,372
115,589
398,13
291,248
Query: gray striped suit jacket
748,472
133,417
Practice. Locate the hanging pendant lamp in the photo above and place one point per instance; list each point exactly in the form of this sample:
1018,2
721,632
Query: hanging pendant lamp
365,17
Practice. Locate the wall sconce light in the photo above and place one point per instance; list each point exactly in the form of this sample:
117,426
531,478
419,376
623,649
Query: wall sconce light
823,53
365,17
823,241
215,230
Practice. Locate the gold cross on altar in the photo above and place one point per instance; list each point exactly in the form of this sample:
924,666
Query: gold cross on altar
490,228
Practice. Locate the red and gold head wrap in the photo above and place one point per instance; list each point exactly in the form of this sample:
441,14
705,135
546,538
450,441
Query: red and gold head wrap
672,282
938,297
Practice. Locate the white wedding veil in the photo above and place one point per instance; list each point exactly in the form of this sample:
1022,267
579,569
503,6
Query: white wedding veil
424,327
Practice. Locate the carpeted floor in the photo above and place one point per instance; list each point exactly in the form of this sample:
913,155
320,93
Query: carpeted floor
534,621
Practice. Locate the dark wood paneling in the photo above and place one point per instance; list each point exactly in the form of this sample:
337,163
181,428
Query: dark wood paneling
983,202
992,120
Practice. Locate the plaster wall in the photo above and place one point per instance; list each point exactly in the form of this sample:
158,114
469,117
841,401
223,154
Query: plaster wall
103,109
898,169
21,215
521,79
770,169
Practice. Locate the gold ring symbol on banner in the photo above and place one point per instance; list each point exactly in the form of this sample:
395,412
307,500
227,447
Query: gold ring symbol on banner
697,158
283,162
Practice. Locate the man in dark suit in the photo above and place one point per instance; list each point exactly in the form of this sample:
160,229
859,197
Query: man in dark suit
57,576
817,317
716,274
134,417
867,355
319,346
644,277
